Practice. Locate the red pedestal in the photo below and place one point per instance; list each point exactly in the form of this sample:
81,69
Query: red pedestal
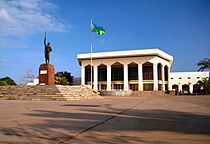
46,74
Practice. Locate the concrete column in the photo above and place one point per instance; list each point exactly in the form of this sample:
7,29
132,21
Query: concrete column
95,82
163,78
99,87
191,88
140,77
155,77
169,79
82,75
125,71
180,87
109,80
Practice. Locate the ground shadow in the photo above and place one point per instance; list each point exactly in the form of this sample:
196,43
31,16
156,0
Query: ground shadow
107,120
81,105
144,120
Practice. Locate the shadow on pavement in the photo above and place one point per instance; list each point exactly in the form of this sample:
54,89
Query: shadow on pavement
81,105
144,120
137,120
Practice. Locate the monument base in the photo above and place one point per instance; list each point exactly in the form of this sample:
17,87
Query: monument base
46,74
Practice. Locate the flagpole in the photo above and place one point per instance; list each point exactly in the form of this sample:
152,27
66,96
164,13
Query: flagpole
91,60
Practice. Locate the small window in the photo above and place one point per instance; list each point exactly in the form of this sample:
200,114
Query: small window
198,77
189,78
172,78
180,78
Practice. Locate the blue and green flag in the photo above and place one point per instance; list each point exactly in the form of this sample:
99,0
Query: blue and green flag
97,29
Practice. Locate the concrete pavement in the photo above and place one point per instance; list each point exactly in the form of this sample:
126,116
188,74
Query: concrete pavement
176,119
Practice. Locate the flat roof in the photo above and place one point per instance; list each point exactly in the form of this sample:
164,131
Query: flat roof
190,73
128,53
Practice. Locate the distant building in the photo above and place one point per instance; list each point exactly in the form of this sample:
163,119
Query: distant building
186,81
137,70
34,82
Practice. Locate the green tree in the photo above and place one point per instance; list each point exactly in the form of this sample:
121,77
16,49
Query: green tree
204,65
63,78
205,85
3,83
7,81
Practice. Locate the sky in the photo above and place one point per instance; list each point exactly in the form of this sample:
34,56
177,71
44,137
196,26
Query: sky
180,28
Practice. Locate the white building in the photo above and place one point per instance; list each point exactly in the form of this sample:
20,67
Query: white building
186,81
35,82
137,70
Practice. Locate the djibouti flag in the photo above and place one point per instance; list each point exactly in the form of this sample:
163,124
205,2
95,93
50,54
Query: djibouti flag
97,29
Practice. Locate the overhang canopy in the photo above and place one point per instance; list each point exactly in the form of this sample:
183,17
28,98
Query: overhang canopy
128,53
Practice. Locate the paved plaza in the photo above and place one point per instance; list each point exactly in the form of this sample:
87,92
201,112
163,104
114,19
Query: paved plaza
112,120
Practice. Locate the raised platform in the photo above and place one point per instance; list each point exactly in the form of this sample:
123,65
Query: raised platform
47,92
133,93
46,74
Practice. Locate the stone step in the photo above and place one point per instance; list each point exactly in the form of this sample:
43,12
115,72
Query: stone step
47,93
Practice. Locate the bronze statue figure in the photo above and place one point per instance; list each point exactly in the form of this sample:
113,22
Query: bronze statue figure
47,50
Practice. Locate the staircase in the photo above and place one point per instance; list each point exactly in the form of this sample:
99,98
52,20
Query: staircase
47,93
78,92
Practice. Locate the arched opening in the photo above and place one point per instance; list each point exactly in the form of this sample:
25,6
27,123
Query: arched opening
88,74
117,76
176,88
159,71
102,72
102,77
148,76
166,73
133,76
166,77
185,89
147,71
133,71
196,89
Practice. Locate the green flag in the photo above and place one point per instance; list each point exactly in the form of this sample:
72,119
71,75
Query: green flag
97,29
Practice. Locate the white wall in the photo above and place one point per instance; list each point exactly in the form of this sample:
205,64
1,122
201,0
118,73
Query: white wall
189,78
35,82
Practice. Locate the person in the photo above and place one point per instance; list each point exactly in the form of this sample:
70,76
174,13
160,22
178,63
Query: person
47,50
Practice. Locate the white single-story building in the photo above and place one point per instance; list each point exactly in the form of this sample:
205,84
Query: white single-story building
137,70
186,81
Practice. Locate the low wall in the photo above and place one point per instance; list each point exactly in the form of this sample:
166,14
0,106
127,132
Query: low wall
116,93
132,93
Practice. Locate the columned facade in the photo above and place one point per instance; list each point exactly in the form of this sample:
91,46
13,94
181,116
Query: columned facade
123,78
124,72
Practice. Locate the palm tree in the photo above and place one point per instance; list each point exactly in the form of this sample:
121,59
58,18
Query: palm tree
205,84
204,64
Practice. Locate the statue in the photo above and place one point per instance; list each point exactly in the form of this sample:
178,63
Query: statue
47,50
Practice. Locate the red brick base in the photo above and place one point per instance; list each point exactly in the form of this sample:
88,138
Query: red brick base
46,74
